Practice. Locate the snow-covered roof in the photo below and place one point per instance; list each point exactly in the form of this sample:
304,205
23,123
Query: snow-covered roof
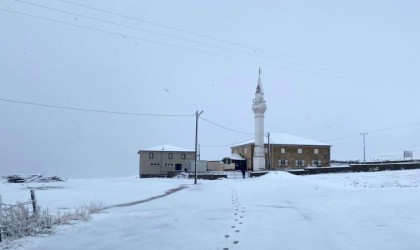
235,156
167,148
286,139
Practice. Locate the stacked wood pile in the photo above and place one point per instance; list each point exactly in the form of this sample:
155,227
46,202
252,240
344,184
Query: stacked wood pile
31,178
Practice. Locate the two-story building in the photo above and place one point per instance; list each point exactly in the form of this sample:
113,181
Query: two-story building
158,161
286,151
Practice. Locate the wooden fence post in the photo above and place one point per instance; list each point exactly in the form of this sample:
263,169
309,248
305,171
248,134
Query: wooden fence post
34,206
1,218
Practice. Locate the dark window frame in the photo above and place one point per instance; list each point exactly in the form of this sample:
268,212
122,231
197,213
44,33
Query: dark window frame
300,163
283,162
316,162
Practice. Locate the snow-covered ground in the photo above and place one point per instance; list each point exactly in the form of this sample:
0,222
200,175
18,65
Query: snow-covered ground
278,211
58,196
385,179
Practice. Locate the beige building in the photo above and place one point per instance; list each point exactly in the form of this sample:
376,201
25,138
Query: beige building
287,151
158,161
215,166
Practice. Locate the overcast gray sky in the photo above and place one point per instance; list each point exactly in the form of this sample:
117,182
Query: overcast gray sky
331,70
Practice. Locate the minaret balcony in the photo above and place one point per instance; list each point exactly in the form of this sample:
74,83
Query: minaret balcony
259,108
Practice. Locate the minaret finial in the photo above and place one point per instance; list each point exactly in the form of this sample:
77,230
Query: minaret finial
259,85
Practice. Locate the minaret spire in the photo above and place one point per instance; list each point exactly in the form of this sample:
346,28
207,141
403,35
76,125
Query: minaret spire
259,106
259,85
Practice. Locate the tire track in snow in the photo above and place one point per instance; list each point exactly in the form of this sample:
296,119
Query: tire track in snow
169,192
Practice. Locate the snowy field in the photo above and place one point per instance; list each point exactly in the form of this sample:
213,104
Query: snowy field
377,210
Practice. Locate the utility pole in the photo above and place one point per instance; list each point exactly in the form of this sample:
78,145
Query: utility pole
196,140
364,145
269,151
1,219
161,160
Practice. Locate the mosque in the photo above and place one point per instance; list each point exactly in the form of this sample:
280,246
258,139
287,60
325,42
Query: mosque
264,152
277,151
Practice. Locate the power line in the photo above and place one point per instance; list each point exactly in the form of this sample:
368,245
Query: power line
395,127
226,145
253,48
376,131
138,38
341,137
91,110
159,25
231,144
176,46
221,126
171,36
151,32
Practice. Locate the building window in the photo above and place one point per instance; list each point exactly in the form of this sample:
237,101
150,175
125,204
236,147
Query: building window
244,150
154,164
169,164
316,162
300,162
283,150
182,156
150,155
299,151
283,162
316,151
170,156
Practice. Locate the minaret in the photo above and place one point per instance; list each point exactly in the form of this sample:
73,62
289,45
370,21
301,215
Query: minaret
259,108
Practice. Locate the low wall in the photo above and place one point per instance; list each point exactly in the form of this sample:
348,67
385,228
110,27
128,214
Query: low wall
257,174
209,176
384,166
152,176
365,167
321,170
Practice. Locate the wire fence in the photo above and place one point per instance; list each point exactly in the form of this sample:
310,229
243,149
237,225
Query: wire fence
22,219
27,219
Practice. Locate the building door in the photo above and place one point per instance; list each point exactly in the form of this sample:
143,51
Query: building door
178,166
